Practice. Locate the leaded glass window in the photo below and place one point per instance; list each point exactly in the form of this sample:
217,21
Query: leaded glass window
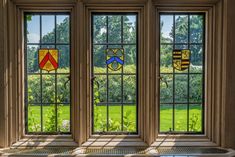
47,73
182,89
114,73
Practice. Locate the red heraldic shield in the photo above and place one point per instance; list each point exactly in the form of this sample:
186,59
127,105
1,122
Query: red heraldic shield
48,59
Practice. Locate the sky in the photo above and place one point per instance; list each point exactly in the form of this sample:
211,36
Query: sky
167,25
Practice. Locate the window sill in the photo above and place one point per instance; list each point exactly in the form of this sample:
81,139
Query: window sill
45,141
114,141
183,140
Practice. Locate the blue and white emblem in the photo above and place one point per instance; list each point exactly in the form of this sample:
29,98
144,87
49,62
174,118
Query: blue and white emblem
115,58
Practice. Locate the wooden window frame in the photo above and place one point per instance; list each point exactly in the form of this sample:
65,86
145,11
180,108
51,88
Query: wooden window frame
123,8
80,67
214,66
16,35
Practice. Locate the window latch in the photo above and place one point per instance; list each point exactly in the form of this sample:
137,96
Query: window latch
94,81
66,82
163,80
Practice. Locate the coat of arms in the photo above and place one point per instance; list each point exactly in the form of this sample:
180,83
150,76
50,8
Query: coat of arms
48,59
114,58
181,59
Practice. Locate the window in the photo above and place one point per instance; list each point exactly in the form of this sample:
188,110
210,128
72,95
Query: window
47,93
182,91
114,73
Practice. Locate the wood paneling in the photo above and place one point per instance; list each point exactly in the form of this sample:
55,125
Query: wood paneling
3,76
229,108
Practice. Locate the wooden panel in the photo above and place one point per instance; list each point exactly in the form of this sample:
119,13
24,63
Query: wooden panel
115,2
2,77
54,2
184,3
229,116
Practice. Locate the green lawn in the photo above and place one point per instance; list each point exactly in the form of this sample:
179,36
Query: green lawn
49,117
129,120
180,118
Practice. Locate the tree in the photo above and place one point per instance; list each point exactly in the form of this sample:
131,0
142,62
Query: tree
114,36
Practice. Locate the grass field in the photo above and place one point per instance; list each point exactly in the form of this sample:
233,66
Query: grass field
195,118
129,115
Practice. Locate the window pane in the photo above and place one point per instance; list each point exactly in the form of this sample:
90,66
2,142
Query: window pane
129,29
166,58
115,118
182,87
180,117
129,118
48,88
99,29
114,89
63,89
166,25
34,89
166,112
62,28
114,58
99,59
114,29
32,59
196,28
181,28
34,119
166,88
195,117
196,86
47,94
63,118
100,118
49,118
129,91
100,88
64,58
196,65
130,59
48,28
33,28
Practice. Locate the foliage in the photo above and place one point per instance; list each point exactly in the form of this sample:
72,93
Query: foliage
114,36
48,93
33,123
115,85
114,122
63,118
194,123
62,36
181,36
50,123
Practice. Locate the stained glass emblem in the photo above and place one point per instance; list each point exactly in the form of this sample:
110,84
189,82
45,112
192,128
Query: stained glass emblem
48,59
114,58
181,59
